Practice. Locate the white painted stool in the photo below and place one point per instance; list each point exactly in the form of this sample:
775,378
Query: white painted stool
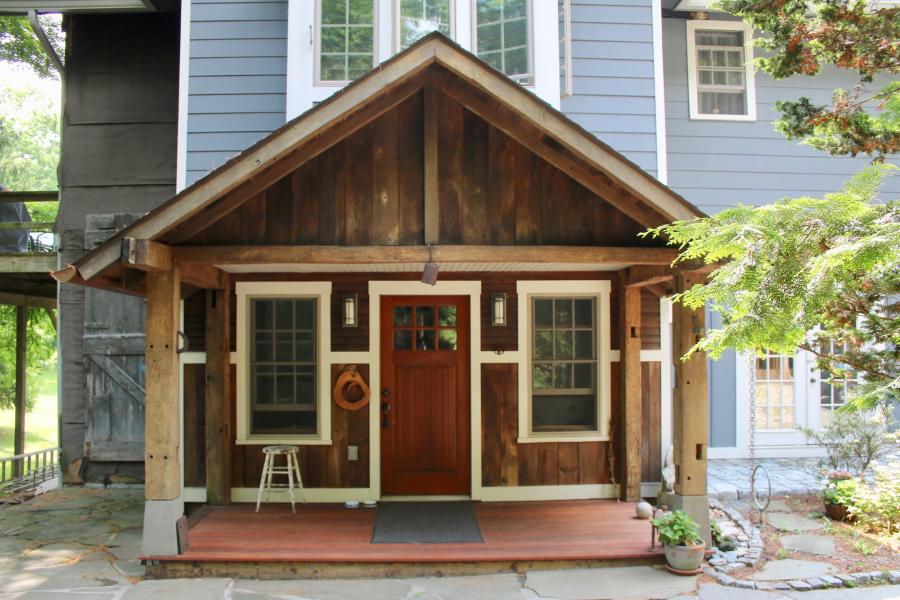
291,469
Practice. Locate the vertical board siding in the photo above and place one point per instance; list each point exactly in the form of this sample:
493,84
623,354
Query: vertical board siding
237,78
716,164
505,462
612,76
651,458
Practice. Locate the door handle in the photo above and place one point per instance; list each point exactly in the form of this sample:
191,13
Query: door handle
385,410
385,392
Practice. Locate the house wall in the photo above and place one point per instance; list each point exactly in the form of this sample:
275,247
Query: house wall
716,164
118,156
237,78
505,462
612,71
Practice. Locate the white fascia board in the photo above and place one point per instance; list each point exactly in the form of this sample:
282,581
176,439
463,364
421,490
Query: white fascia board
56,6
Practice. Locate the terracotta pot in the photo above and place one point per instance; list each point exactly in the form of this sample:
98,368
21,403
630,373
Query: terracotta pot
685,558
837,512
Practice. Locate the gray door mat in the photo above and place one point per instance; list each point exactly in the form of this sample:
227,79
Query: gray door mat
426,523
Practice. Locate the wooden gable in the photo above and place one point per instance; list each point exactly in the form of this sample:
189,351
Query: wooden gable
368,189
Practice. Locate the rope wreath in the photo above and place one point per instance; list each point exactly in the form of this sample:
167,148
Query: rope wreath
351,392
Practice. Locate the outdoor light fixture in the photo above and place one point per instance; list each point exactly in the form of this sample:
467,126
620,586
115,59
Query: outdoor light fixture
498,308
350,302
430,274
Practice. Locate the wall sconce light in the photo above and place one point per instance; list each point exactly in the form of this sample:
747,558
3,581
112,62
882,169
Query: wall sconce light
498,309
350,304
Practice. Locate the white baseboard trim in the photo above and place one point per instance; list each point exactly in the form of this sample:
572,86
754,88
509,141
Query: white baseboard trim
194,494
316,495
549,492
650,489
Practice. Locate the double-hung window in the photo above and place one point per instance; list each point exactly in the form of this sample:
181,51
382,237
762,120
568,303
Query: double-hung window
775,400
503,37
564,14
834,390
282,379
720,71
564,370
417,18
346,40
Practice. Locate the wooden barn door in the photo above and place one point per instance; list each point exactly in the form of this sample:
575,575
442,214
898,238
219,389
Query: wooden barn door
425,395
114,326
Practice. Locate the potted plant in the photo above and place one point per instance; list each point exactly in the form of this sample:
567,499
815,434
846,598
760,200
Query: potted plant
680,537
840,488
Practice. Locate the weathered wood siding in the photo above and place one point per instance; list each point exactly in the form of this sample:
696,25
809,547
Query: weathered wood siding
367,189
505,462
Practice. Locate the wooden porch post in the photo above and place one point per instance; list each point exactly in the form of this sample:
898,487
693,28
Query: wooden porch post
630,386
21,389
162,432
218,388
690,408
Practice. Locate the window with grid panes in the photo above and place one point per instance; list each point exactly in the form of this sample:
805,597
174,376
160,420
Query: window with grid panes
283,362
418,18
833,391
563,364
775,405
425,327
721,72
503,36
346,48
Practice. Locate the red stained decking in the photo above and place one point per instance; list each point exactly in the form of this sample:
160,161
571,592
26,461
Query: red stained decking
513,531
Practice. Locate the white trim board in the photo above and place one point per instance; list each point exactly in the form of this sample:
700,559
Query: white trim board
549,492
184,79
659,94
313,495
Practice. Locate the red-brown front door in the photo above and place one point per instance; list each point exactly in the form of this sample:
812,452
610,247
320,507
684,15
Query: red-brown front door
425,395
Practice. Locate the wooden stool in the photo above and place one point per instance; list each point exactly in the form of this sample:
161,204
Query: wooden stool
291,469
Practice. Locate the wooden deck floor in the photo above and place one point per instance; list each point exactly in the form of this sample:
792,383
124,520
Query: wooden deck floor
575,530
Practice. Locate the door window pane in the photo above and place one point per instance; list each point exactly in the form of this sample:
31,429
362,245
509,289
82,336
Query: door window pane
563,354
775,391
283,366
833,391
503,32
346,39
420,17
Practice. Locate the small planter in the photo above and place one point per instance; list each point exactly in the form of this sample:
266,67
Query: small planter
837,512
685,559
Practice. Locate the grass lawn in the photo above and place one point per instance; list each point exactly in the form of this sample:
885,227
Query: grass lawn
41,423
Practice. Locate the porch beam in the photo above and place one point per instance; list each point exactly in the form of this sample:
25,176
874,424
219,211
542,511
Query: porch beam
243,255
146,255
218,389
206,277
162,432
630,386
648,275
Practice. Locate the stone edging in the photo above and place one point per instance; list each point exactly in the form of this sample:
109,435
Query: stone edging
810,583
748,553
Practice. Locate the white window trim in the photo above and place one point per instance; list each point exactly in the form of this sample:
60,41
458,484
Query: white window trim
395,24
530,41
692,27
245,291
527,290
567,44
304,90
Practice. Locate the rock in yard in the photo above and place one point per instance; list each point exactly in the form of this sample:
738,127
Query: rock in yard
799,585
832,581
792,522
786,570
811,544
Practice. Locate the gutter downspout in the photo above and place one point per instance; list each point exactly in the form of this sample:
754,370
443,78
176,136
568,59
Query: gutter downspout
45,42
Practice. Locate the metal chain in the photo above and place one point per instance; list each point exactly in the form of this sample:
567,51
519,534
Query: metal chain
752,450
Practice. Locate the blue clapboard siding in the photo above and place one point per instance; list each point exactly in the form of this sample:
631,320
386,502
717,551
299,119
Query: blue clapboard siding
716,164
238,74
612,74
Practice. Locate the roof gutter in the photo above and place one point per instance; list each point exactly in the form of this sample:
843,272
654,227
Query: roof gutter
45,42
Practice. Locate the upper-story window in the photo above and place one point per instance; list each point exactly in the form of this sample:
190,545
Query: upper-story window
417,18
346,39
333,42
720,71
503,36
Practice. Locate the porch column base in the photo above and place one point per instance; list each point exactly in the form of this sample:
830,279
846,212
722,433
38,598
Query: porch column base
160,536
697,507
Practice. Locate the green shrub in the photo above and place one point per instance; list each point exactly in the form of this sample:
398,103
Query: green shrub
853,440
677,529
841,492
876,507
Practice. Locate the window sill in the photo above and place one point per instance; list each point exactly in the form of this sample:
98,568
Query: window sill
276,440
736,118
560,437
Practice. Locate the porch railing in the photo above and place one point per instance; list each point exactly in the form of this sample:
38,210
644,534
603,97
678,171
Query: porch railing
35,237
26,472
